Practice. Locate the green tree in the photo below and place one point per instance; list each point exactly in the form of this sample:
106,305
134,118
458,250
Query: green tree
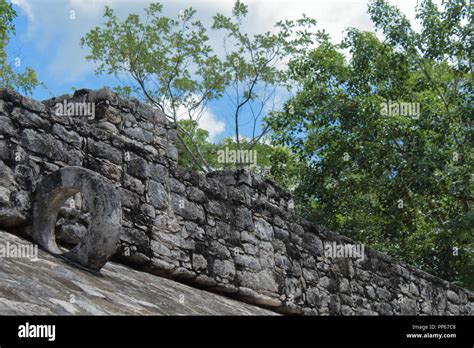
256,69
169,61
274,162
173,67
398,181
25,81
201,140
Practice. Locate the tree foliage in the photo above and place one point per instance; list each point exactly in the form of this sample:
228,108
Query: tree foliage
273,162
25,81
255,67
397,182
170,63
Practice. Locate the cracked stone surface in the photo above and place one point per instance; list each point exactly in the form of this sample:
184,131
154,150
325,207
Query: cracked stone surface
52,286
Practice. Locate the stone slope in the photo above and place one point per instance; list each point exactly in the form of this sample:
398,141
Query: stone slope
51,286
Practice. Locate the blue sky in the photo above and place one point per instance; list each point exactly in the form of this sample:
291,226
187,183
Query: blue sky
48,40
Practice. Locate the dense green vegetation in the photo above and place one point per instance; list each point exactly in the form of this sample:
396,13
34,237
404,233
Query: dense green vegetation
397,182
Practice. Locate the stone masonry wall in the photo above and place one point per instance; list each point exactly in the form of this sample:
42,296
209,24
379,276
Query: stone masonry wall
228,232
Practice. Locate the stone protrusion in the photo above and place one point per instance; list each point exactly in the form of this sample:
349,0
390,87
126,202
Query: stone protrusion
100,242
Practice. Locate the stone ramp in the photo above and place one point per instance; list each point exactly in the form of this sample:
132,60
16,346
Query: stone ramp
52,286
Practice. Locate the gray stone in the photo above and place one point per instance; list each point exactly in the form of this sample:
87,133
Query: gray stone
148,210
33,105
103,234
344,286
159,248
199,262
177,186
384,294
129,199
247,262
243,219
47,145
413,290
196,195
70,137
281,234
263,229
110,127
159,173
138,167
216,208
11,218
156,195
384,309
4,150
4,196
452,296
71,234
7,127
139,134
133,184
283,262
219,250
224,268
174,240
266,281
186,209
28,119
231,232
408,307
105,151
248,237
121,291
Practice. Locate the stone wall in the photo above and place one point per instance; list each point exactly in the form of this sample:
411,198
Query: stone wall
227,232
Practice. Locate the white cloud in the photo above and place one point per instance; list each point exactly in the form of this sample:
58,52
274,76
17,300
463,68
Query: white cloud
206,120
57,37
209,122
25,7
51,29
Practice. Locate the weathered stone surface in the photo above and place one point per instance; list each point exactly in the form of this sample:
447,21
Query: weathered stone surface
187,209
7,127
452,296
105,151
45,144
71,234
11,218
101,240
27,118
159,173
133,184
139,167
263,229
248,262
156,195
120,291
199,262
70,137
408,307
139,134
224,269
